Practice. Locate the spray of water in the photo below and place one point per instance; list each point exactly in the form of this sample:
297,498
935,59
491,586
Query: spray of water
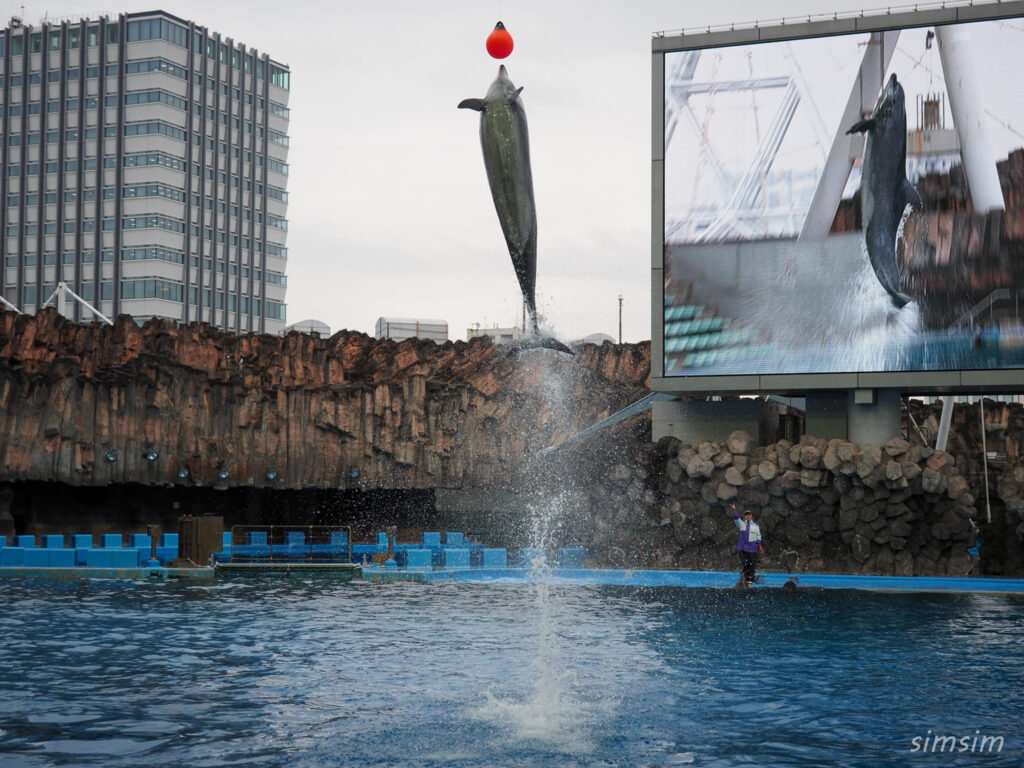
851,326
548,709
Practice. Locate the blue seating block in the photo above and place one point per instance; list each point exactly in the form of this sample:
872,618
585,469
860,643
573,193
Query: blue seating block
97,558
571,557
495,558
431,539
454,539
25,542
124,558
3,542
81,541
295,537
12,556
140,541
60,558
166,554
456,558
111,540
112,557
339,538
382,540
51,541
530,555
168,540
417,558
225,540
37,558
257,537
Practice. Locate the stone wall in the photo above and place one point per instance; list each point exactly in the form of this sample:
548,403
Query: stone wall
899,509
317,411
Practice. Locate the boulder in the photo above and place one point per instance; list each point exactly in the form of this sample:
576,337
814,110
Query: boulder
861,548
810,456
767,470
896,446
734,476
811,478
740,442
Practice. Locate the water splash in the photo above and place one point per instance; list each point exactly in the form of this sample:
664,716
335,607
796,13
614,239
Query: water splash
852,325
548,708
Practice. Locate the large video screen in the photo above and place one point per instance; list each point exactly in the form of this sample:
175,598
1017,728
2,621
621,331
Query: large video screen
846,204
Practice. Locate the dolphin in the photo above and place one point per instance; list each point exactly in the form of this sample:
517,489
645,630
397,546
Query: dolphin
506,145
885,190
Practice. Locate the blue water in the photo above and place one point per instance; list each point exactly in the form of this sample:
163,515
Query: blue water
299,673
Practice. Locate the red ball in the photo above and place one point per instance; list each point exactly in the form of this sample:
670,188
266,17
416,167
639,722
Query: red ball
499,42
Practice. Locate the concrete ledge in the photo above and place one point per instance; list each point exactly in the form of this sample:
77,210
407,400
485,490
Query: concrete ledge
727,579
162,574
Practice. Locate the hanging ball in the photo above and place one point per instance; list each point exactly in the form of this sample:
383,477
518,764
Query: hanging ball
499,42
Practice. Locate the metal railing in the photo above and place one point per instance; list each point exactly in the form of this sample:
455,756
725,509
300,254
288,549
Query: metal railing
290,543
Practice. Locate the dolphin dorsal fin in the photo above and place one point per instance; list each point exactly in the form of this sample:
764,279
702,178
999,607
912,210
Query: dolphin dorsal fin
514,96
862,126
475,104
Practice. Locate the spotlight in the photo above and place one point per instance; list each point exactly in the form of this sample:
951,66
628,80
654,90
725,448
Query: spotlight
271,474
223,474
183,474
152,456
111,456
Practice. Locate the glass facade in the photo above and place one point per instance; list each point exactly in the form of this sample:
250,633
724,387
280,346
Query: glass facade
168,158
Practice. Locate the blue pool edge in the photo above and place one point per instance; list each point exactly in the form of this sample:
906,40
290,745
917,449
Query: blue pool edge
567,576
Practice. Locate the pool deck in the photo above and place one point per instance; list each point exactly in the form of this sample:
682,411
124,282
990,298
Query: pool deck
712,579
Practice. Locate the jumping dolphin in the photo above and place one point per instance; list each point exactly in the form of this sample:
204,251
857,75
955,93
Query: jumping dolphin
885,190
506,145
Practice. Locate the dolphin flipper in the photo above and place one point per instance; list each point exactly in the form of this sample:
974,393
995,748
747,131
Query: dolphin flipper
474,104
862,126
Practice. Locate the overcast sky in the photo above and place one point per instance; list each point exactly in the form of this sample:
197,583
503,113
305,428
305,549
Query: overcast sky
389,211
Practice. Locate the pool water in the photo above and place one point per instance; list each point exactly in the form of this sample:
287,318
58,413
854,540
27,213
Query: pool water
305,673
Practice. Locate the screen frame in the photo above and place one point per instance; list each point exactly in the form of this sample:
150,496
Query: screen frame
930,382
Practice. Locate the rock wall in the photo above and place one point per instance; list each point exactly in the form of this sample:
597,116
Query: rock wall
345,411
823,505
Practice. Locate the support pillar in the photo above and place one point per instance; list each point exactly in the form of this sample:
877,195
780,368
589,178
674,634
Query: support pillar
965,104
874,416
826,414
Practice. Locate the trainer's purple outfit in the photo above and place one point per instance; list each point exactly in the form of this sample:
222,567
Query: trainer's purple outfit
750,534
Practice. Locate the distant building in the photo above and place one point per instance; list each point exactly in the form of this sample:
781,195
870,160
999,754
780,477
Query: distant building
145,165
594,338
400,328
309,326
499,335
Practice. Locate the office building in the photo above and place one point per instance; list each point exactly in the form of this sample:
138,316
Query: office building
144,165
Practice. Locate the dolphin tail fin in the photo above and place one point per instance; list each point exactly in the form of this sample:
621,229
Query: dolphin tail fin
474,104
514,96
862,126
910,195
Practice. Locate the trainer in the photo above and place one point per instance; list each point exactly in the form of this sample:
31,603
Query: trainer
749,544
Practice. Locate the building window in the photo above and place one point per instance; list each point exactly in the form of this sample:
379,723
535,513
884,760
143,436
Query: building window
157,29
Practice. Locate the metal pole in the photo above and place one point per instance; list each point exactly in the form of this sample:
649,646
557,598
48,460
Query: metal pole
620,318
984,457
947,415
